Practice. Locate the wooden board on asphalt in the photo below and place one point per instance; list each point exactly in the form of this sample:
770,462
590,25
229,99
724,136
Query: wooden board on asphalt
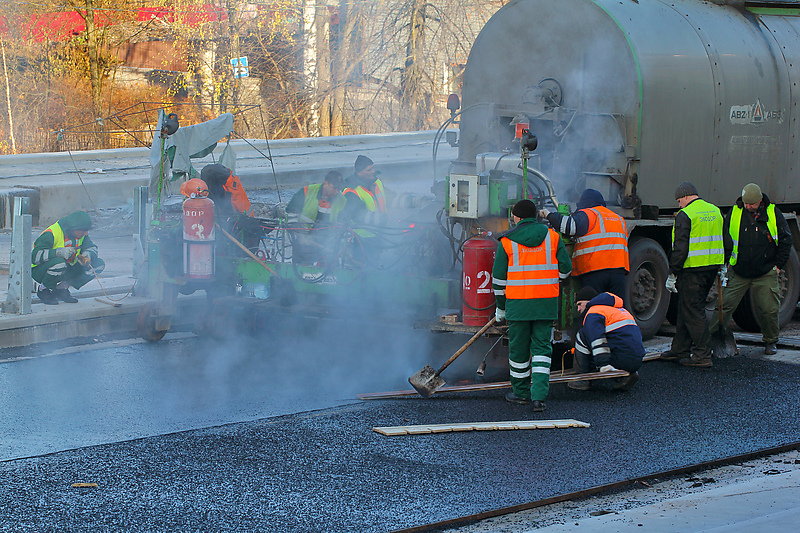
567,375
425,429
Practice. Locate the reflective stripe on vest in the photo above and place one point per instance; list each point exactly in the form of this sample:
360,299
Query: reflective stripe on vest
615,317
736,221
604,246
58,241
705,238
374,201
313,205
532,272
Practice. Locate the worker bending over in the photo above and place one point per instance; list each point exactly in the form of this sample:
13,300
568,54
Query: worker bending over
319,204
758,243
609,339
600,256
530,261
697,254
64,256
226,190
317,209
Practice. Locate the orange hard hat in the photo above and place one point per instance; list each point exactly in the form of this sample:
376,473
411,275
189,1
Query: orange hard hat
194,188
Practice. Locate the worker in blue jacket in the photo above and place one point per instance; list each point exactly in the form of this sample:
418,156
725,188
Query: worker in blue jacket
610,339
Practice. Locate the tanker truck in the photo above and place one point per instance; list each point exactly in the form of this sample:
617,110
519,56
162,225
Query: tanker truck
632,97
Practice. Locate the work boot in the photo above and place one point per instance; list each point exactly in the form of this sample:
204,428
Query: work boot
538,406
769,348
65,296
582,384
46,296
627,382
513,398
669,355
694,361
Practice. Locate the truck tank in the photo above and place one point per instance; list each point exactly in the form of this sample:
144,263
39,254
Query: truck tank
649,89
632,97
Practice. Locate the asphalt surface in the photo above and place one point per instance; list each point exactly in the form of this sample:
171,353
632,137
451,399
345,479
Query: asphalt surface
322,467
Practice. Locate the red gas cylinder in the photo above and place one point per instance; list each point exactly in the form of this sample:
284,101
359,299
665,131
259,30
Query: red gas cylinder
476,282
198,238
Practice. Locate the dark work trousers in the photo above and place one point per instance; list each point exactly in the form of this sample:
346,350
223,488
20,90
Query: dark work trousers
691,331
608,280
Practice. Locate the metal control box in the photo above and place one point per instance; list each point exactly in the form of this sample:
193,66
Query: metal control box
468,196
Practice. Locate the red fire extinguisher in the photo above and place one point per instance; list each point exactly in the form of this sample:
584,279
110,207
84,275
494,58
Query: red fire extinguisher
198,231
476,284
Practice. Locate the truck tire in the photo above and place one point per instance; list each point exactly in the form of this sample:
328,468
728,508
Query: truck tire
745,315
646,295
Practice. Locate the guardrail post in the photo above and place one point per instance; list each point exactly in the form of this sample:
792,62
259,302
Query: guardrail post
141,223
20,282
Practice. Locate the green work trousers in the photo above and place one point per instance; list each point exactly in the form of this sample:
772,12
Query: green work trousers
56,270
529,352
766,296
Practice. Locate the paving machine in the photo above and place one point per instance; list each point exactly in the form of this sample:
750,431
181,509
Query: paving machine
430,265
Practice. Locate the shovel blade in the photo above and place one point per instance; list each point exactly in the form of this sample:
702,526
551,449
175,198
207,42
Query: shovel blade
426,382
723,344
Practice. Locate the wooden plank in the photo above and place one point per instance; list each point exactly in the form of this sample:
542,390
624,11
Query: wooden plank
426,429
566,376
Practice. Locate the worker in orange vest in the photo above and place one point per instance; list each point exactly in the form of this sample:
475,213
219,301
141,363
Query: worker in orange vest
226,190
530,261
609,340
600,256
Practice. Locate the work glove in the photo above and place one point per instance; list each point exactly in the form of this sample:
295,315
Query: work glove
723,275
65,252
544,213
671,280
499,314
84,259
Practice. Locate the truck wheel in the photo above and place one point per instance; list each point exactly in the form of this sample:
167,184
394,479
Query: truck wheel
647,297
146,324
745,315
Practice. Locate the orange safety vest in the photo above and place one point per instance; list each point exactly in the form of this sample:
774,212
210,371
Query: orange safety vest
239,199
373,200
616,317
604,246
532,272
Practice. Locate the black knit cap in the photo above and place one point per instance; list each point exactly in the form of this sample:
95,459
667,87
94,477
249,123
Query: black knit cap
685,189
335,178
585,294
524,209
362,162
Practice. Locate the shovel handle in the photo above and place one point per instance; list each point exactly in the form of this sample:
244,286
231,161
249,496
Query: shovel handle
719,303
245,250
466,345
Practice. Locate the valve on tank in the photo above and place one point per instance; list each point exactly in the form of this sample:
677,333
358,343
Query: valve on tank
198,230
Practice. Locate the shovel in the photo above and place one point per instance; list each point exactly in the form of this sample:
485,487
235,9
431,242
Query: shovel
722,342
427,381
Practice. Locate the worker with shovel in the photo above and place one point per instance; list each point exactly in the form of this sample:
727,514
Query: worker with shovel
757,246
530,261
609,340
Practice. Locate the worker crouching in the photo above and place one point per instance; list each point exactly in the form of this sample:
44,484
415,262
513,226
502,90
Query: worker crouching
64,256
609,339
530,261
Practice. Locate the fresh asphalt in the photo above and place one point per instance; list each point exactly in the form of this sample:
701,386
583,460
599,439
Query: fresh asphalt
201,435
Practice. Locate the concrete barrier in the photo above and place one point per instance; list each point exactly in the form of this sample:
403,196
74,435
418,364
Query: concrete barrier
63,182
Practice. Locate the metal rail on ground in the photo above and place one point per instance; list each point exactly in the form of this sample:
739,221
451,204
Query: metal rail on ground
599,489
